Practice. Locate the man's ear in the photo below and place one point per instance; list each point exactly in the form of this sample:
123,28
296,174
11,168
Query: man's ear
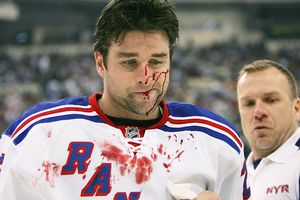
99,63
297,108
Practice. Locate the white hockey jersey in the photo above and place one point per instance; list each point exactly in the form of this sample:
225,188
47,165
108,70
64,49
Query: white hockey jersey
69,149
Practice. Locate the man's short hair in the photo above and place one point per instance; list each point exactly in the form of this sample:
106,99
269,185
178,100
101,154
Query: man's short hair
260,65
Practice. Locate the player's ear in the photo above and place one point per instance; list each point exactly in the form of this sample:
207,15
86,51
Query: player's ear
297,108
99,63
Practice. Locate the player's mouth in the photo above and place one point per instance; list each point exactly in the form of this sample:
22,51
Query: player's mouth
145,93
261,129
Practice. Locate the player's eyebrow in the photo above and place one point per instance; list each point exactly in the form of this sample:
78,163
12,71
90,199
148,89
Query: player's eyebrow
272,93
130,54
266,94
159,55
127,54
245,98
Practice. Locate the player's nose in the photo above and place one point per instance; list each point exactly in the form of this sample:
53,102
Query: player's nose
260,110
143,74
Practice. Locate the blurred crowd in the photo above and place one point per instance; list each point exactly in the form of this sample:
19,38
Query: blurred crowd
204,76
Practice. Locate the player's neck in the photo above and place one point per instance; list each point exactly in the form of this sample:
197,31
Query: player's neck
120,113
131,122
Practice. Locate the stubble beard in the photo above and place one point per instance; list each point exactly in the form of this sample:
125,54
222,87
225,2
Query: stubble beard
131,105
145,107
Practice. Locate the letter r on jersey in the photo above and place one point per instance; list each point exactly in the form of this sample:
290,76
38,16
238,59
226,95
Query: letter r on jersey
79,153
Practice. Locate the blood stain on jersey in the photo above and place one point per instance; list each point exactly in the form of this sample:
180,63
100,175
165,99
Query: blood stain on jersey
153,156
49,134
160,149
169,165
181,141
143,170
142,166
50,171
175,138
114,153
84,176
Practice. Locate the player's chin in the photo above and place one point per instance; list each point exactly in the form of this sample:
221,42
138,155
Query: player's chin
144,106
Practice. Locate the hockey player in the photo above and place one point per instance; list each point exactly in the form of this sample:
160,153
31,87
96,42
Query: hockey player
126,143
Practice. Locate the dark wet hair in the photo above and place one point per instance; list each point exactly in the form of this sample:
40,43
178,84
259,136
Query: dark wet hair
122,16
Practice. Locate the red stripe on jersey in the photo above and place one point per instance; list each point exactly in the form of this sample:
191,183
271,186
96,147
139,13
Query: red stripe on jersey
210,123
59,110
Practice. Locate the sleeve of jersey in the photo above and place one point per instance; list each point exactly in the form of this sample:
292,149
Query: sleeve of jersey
232,173
235,184
16,164
14,182
8,153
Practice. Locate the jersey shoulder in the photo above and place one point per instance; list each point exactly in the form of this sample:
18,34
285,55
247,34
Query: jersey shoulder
189,117
188,110
43,111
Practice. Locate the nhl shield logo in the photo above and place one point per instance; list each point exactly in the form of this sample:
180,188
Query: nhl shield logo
132,132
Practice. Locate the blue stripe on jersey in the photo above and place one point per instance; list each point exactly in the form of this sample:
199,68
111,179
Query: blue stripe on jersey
205,130
22,135
83,101
187,110
298,145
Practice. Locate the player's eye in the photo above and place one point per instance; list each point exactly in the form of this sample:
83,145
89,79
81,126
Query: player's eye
129,64
155,63
271,99
248,103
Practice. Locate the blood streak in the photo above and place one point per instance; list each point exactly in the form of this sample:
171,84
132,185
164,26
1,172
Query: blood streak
51,171
169,165
175,138
146,70
142,166
49,134
160,149
154,156
155,79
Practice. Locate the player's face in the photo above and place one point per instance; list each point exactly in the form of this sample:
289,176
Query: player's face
268,113
136,76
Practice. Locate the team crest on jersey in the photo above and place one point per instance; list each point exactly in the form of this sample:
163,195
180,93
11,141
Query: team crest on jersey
132,132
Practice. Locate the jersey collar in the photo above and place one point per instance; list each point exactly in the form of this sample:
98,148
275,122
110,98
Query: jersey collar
93,101
284,153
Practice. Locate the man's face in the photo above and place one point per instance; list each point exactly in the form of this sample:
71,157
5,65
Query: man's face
137,74
268,113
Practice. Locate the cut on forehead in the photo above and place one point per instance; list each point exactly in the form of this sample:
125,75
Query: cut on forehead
261,65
